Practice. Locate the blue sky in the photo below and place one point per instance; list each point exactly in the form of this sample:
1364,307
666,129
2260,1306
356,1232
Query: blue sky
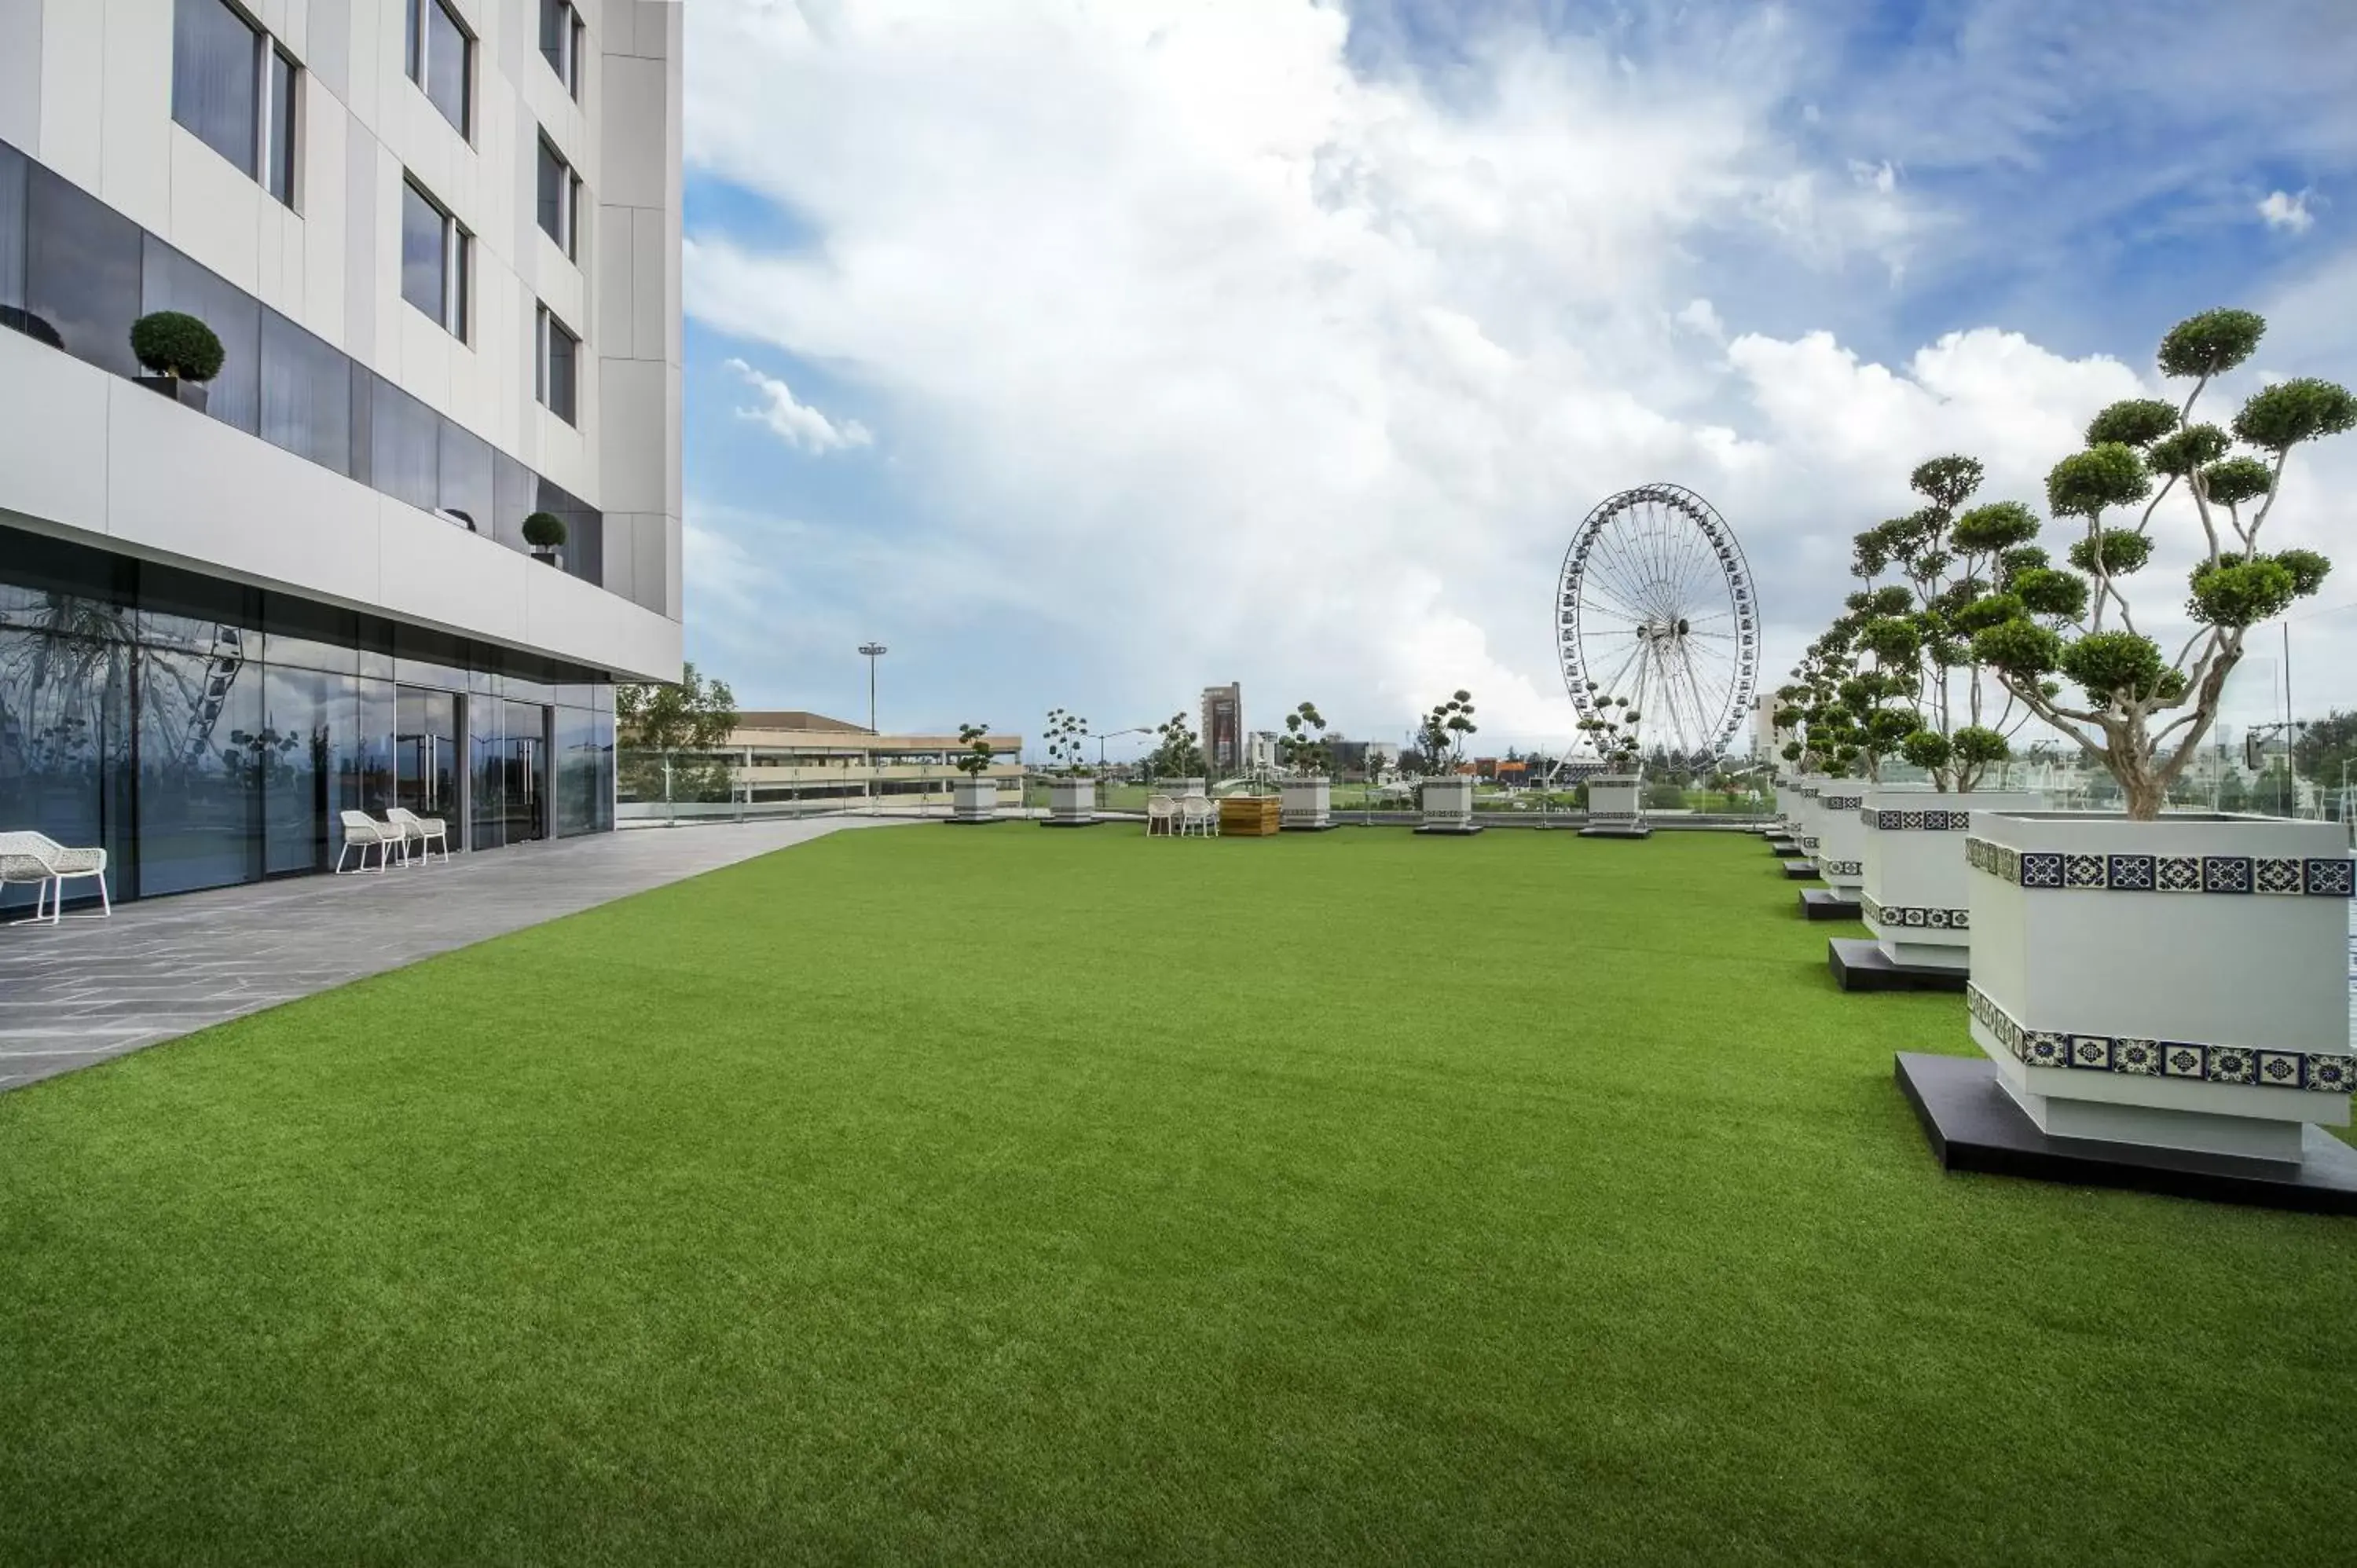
1087,354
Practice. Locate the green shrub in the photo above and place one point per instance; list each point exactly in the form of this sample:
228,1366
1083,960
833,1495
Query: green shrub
544,531
174,343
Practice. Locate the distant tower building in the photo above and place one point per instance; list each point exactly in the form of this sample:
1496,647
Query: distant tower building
1223,730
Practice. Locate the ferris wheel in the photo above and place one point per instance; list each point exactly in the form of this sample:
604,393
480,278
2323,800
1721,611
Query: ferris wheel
1655,604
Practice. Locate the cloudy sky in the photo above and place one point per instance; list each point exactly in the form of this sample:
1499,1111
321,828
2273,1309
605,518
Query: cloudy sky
1090,351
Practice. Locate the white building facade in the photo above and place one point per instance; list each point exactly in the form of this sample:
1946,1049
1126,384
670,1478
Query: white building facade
439,241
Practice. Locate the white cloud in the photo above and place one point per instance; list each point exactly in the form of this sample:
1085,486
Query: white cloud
1206,356
2287,212
796,424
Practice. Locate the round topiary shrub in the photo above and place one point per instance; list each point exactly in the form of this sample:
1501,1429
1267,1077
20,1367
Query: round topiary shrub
174,343
544,531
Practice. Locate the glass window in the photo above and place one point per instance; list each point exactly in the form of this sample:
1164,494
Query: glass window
215,55
169,280
429,280
515,489
12,237
561,40
307,718
278,151
487,747
306,394
560,353
298,632
198,614
559,193
576,772
65,713
439,57
370,786
200,792
405,455
466,475
427,761
82,272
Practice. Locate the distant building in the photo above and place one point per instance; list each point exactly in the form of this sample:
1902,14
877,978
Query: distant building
1223,730
791,755
1260,752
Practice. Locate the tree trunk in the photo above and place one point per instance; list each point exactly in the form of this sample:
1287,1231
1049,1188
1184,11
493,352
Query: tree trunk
2143,786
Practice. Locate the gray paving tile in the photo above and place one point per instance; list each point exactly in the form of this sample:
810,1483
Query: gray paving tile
86,991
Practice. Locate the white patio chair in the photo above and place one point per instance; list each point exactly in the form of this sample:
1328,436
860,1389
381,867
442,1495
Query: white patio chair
1161,815
363,832
1199,815
424,831
39,859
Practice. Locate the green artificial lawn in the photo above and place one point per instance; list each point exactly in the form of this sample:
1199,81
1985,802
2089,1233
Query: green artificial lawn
999,1195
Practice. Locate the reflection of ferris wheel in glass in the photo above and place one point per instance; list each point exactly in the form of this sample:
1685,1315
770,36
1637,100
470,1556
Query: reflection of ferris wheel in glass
1655,604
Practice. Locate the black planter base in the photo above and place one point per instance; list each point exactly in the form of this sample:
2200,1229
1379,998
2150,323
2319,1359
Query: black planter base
1859,964
1307,827
1451,832
1800,871
1825,904
1974,1125
1071,822
1616,833
1785,849
974,822
187,394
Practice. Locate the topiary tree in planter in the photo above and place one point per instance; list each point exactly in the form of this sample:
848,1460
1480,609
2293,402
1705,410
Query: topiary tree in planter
975,794
2139,712
1067,736
545,532
975,759
179,352
1178,752
1441,736
1613,732
1302,749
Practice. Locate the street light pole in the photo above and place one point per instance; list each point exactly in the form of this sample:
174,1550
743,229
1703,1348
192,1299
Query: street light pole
874,651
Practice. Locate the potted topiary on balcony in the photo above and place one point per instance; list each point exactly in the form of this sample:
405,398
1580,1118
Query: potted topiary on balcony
1073,785
545,532
1308,793
180,354
975,794
1927,699
1446,794
1616,807
2177,981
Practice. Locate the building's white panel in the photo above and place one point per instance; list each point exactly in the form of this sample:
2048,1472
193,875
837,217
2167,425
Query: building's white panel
73,76
135,111
52,432
183,485
633,168
216,212
20,74
632,470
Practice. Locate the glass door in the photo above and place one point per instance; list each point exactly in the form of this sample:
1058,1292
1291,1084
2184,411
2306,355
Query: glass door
425,753
526,772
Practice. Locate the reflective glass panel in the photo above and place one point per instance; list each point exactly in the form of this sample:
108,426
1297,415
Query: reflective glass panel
169,280
306,394
65,713
82,274
308,722
214,93
424,254
200,787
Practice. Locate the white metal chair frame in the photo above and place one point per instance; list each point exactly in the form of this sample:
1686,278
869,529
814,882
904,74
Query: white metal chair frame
1199,815
1162,810
364,833
39,859
424,831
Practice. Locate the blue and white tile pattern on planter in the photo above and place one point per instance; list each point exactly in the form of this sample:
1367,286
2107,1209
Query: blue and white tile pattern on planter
2165,983
1915,862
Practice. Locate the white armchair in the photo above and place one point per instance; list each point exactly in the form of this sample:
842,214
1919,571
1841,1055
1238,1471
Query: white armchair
39,859
1198,816
364,833
424,831
1162,815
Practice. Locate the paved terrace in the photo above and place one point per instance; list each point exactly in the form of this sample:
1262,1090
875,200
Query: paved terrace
87,991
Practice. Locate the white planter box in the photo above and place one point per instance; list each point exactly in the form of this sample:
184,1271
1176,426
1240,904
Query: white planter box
1614,800
1788,805
1447,803
1913,897
2182,983
976,800
1807,818
1839,847
1307,803
1073,800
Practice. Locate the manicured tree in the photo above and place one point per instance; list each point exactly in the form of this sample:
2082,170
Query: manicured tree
174,343
1068,736
1951,563
2140,713
1442,735
1302,749
1613,731
653,722
1179,751
974,760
